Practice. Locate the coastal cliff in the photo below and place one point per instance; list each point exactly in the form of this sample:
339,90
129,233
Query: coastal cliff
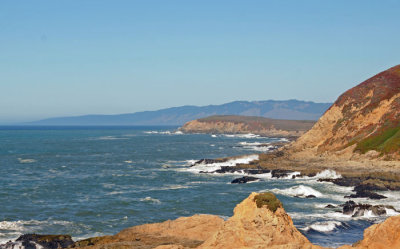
363,122
230,124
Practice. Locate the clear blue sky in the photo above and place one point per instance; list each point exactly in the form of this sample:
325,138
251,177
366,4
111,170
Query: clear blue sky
78,57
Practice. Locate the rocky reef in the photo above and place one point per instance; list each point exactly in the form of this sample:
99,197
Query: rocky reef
259,221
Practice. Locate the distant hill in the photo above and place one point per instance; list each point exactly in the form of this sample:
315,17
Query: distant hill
286,109
231,124
364,119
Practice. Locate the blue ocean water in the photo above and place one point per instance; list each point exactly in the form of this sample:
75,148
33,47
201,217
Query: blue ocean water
91,181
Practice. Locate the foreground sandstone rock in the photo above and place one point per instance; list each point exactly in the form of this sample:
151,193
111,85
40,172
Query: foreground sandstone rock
259,221
385,235
184,232
257,226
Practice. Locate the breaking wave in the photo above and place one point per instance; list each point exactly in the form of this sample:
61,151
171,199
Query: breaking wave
211,167
298,191
324,226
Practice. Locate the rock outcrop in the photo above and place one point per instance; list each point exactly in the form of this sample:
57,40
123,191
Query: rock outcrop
365,120
258,222
385,235
184,232
229,124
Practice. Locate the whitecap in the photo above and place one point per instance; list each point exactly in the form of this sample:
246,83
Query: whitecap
298,191
211,167
150,199
328,174
27,160
110,138
324,226
249,135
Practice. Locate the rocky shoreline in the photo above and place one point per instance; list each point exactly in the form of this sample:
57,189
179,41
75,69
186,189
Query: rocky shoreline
259,221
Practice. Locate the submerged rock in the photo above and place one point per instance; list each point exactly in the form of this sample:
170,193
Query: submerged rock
35,241
245,179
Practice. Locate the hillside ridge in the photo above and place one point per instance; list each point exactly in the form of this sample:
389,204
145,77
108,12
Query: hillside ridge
278,109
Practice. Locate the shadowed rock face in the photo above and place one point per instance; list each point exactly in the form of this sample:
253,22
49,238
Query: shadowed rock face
365,119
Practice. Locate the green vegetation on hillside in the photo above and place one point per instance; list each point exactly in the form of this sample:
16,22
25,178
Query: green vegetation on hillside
387,141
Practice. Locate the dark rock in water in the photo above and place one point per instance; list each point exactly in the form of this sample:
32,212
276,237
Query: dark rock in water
256,171
366,194
357,210
348,207
305,196
209,161
369,187
228,169
345,181
245,179
279,173
36,241
330,206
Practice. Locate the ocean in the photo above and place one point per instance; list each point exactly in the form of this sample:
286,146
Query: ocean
93,181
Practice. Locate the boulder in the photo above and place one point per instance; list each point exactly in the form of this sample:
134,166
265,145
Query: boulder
245,179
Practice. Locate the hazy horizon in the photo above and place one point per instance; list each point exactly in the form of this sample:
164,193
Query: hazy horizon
72,58
21,122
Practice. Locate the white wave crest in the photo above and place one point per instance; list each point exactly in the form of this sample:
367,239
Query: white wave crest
164,132
150,199
328,174
256,146
249,135
324,226
216,166
110,138
298,191
27,160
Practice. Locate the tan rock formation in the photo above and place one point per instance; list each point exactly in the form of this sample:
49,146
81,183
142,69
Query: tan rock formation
253,227
230,124
184,232
259,221
385,235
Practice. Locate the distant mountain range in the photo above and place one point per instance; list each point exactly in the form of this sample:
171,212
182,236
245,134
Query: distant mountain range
286,109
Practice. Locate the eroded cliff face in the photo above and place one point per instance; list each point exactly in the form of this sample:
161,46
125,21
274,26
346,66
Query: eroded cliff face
365,120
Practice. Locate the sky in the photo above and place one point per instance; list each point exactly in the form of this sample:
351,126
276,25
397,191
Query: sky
75,57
